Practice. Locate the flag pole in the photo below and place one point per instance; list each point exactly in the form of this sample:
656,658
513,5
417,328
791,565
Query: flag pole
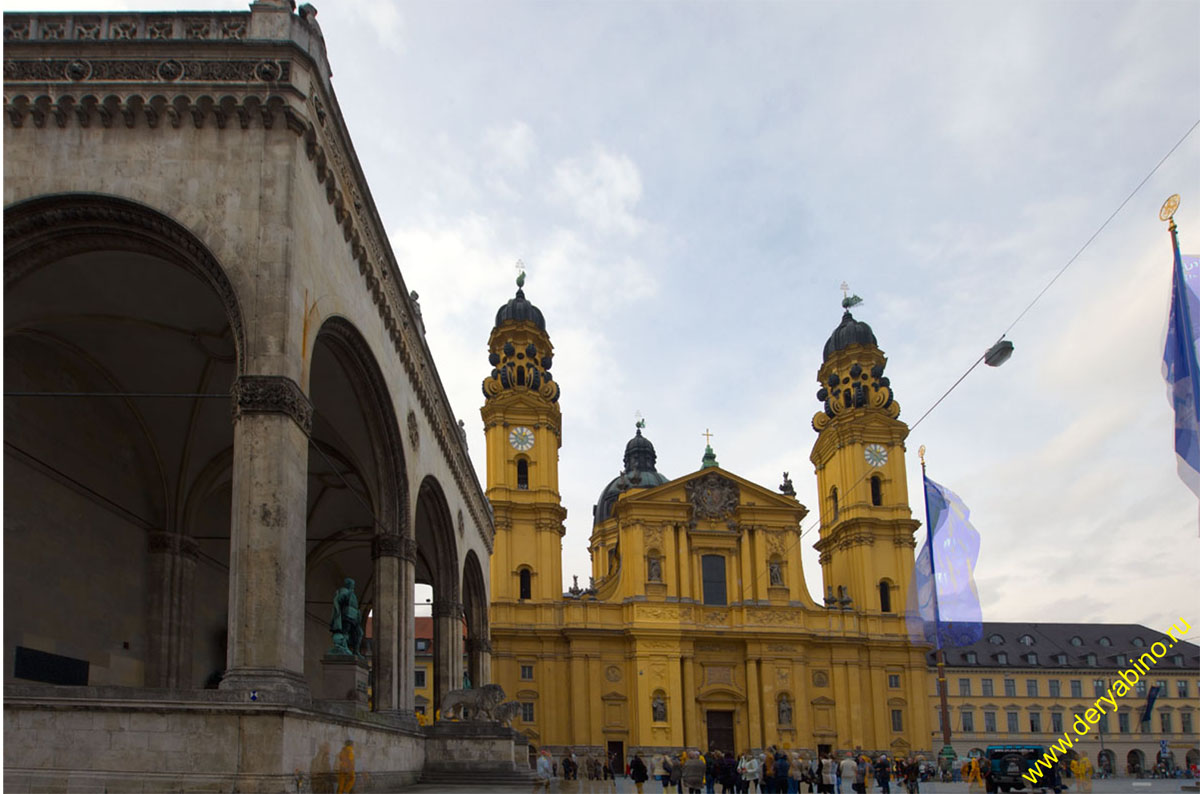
947,754
1183,305
1185,310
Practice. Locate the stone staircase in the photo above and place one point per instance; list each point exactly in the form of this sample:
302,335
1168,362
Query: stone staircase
475,777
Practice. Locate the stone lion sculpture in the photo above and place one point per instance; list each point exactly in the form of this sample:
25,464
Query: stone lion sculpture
479,703
506,712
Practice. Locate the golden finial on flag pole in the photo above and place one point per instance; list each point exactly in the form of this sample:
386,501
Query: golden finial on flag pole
1167,213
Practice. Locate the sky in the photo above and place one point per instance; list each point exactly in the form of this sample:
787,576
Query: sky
689,184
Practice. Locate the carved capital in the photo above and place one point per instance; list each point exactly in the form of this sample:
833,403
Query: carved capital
441,609
172,543
272,394
387,546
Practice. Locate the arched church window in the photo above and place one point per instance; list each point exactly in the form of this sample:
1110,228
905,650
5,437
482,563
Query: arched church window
526,583
833,501
876,491
522,475
885,596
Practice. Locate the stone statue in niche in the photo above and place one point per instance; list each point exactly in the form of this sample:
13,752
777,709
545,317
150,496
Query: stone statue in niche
346,623
785,710
658,709
654,569
776,570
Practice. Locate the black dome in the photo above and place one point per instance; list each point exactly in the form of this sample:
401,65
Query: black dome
850,332
640,454
519,309
639,472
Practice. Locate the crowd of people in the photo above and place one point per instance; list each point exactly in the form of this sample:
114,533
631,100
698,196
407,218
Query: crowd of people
774,771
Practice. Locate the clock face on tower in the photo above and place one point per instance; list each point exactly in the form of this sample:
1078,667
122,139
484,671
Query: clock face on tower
876,454
521,439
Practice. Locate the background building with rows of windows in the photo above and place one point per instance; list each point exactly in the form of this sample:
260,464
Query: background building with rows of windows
1025,682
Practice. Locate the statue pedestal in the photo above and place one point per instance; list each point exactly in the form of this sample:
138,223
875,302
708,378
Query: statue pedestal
344,678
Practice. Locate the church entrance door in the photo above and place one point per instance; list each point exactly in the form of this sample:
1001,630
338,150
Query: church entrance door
720,731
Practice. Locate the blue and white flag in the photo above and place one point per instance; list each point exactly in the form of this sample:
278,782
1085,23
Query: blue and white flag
1180,367
942,599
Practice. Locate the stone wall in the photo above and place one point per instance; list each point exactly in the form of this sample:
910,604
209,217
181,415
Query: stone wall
115,744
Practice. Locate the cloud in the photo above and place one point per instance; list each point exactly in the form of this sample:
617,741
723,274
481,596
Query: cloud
511,147
383,18
602,189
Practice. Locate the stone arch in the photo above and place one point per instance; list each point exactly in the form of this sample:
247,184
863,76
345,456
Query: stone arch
46,229
475,612
121,313
358,517
437,565
1135,762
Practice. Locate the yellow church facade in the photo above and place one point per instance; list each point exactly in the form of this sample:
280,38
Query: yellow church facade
697,629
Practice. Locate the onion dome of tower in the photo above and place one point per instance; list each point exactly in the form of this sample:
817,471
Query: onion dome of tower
639,472
519,309
521,356
849,332
851,373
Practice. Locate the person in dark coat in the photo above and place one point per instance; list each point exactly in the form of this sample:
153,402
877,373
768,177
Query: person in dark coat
781,772
637,771
883,774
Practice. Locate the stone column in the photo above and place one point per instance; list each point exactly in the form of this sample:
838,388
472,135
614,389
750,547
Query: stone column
406,676
447,648
170,577
690,726
272,422
388,621
581,700
754,704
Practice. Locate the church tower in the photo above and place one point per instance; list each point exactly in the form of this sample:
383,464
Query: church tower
866,537
523,428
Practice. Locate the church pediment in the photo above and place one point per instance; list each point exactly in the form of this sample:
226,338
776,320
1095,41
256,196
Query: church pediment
711,495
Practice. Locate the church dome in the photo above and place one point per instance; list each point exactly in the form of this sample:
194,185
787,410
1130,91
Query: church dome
850,332
639,472
519,309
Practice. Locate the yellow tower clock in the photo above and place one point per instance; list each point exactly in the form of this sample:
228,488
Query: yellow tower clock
523,427
866,536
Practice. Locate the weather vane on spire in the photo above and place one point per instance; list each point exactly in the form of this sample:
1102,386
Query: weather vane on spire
520,274
849,300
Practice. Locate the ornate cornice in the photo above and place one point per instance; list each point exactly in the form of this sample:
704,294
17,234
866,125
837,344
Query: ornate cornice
227,26
271,394
171,72
90,85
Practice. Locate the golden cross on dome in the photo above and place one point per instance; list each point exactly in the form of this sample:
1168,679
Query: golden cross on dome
520,273
707,437
845,290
